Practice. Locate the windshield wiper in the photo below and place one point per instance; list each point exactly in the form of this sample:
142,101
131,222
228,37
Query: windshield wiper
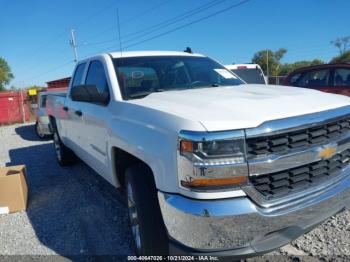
205,86
144,94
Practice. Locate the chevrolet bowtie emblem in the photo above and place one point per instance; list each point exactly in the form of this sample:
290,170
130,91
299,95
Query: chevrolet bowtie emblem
327,152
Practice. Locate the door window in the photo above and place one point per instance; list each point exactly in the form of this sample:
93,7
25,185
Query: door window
294,79
43,101
96,76
315,78
78,75
342,77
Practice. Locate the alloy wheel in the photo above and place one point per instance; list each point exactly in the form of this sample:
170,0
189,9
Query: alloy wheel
38,131
134,223
57,146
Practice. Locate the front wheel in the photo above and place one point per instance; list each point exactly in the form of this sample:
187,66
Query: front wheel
64,155
146,222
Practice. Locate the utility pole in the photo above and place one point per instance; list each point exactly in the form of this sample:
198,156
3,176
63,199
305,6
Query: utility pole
73,44
267,65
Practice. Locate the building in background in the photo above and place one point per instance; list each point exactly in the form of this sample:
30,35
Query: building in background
58,85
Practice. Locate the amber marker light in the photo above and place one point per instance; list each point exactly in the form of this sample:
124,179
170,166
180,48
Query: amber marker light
186,146
202,182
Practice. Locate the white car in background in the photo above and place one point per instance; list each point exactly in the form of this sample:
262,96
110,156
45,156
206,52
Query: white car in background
250,73
42,124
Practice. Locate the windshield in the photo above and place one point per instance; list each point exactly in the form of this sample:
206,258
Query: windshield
250,75
141,76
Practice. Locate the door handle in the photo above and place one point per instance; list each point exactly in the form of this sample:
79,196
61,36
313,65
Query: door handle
78,113
65,108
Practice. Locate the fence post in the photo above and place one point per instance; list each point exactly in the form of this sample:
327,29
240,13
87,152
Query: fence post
22,108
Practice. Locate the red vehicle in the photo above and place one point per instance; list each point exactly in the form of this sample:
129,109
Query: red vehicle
331,78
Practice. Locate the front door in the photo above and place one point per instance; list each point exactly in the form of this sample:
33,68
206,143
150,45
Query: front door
94,133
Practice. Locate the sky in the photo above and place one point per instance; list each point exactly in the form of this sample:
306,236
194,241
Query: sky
35,34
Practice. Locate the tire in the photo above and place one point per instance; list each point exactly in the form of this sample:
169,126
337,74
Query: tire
64,155
37,131
146,222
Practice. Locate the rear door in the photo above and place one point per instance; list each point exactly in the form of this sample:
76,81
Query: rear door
72,109
341,81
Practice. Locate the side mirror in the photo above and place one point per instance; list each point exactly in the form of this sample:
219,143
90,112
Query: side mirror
89,93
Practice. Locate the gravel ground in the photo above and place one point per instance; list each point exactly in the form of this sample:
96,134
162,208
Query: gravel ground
73,213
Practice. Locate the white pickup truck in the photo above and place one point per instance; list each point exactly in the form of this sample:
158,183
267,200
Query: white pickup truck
209,165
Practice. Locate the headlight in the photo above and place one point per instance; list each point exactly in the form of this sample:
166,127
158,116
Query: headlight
212,160
213,152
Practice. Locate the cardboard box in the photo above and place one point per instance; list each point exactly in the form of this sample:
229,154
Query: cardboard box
13,189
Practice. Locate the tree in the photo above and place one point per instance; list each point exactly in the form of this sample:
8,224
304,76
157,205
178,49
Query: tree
343,58
342,43
287,68
5,74
273,58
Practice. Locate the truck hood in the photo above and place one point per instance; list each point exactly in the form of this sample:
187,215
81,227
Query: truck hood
243,106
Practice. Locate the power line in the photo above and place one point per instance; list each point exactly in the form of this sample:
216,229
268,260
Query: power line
148,30
83,21
64,33
147,11
158,35
60,35
43,61
178,18
135,17
185,25
80,23
44,73
36,52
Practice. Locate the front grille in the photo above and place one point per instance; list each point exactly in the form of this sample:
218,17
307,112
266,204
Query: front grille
297,139
294,179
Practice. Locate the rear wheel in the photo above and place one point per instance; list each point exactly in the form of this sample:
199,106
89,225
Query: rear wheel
38,131
64,155
146,222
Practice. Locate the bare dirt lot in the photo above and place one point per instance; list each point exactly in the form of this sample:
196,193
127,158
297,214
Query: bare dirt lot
73,213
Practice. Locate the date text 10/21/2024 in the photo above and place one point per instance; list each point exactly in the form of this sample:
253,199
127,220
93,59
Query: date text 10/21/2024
173,258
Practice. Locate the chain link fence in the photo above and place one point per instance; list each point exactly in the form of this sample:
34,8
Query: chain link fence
276,80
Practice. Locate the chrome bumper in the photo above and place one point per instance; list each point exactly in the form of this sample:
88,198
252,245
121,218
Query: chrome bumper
240,226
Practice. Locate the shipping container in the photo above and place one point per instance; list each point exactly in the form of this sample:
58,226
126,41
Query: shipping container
13,107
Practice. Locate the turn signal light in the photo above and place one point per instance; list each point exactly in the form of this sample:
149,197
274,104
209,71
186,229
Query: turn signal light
186,146
202,182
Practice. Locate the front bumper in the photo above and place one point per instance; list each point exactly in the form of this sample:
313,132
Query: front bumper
240,227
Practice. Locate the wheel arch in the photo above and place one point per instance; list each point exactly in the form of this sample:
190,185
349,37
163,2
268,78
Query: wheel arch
121,161
52,123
